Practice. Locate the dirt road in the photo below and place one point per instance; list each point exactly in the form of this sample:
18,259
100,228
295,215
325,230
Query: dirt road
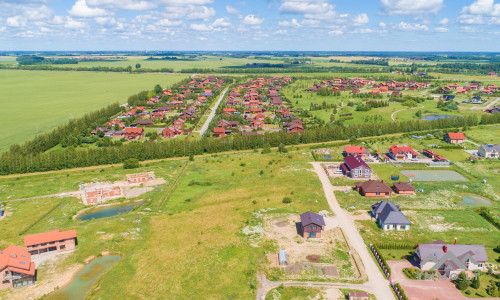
376,281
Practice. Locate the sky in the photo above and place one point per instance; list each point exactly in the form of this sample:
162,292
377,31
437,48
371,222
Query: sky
250,25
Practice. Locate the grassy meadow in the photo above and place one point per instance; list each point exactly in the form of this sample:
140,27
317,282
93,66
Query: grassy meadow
38,101
191,227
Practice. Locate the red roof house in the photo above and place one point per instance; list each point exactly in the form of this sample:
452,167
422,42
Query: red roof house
457,138
16,268
131,133
356,150
402,153
60,241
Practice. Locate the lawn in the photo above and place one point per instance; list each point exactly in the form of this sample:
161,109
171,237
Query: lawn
293,293
484,134
430,225
38,101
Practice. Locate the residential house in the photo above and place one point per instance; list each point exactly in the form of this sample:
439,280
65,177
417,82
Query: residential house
402,153
355,167
448,97
356,150
171,132
489,151
257,123
358,296
60,241
389,216
145,122
16,268
225,123
373,188
133,133
493,110
140,177
457,138
219,132
311,224
450,259
403,188
179,123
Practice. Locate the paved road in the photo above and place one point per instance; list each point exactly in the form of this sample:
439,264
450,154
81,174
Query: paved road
376,281
212,114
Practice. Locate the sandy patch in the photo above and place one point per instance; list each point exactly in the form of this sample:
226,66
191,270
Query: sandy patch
333,294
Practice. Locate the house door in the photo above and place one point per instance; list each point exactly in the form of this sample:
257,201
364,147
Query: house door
312,234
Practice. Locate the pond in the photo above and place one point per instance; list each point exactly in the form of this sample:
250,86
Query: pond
474,200
84,280
108,211
435,117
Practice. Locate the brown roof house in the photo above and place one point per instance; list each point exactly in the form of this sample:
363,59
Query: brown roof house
403,188
451,258
373,188
389,216
311,224
59,241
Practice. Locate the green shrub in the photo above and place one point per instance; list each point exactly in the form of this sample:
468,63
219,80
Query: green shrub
131,163
287,200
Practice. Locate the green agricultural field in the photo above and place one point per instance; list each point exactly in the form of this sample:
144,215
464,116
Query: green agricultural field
484,134
37,101
203,62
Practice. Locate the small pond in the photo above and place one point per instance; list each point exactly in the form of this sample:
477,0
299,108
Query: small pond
108,211
474,200
436,117
84,280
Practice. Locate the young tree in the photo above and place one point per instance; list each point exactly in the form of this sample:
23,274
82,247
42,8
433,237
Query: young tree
282,148
131,163
137,66
476,283
158,89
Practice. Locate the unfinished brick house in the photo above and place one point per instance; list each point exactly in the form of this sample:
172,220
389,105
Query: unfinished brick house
60,241
16,268
140,177
100,192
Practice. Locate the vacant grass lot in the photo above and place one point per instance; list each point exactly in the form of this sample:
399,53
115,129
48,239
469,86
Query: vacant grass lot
38,101
185,242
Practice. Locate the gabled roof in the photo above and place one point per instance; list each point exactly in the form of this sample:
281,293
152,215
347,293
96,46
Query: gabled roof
17,259
47,237
311,218
398,149
353,161
129,130
379,206
390,216
436,250
490,148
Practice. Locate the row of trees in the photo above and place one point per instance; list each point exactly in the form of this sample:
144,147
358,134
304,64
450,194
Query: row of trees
50,67
33,161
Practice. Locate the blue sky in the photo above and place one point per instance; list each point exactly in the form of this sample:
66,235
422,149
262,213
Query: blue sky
315,25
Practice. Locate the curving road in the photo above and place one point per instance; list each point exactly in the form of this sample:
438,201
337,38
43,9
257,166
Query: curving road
212,114
392,115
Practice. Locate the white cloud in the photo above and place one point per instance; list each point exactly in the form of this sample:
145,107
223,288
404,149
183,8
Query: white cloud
73,24
311,9
441,29
411,27
16,21
185,2
39,13
200,13
292,23
335,32
221,22
382,25
81,9
482,7
481,12
169,23
469,29
253,20
411,7
360,20
444,21
123,4
200,27
231,10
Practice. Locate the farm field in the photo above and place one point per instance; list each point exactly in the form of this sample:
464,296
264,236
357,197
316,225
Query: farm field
38,101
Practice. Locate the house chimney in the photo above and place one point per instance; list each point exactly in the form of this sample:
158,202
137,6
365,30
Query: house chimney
445,249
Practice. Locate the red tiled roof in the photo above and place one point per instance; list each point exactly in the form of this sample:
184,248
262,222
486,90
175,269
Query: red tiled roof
133,130
397,149
17,259
456,136
354,149
47,237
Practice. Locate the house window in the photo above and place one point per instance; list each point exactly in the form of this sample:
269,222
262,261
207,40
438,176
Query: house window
5,282
377,193
62,247
314,227
403,227
310,227
480,265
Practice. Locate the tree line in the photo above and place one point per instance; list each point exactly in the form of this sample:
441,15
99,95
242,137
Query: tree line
30,158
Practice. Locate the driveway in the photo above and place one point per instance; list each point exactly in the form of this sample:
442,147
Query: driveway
423,289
